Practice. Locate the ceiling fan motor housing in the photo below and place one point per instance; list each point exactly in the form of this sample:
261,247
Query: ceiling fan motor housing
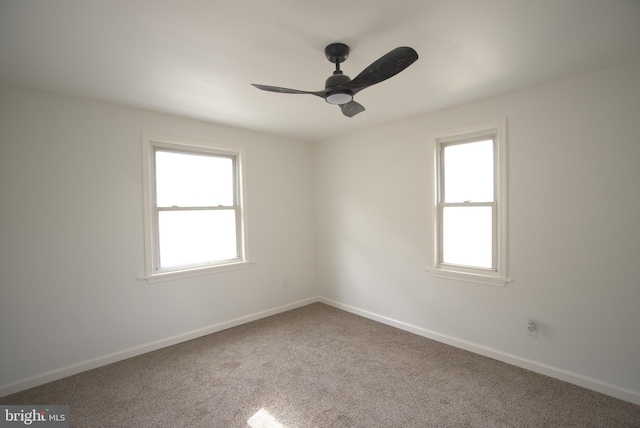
340,96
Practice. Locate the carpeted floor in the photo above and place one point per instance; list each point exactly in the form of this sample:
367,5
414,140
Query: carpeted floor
318,366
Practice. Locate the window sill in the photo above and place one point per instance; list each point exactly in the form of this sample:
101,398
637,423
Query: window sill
496,281
186,273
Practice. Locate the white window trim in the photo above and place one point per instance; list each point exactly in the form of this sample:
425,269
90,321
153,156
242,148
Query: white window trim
149,142
498,129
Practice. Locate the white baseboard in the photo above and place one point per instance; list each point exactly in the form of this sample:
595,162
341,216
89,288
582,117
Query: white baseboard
564,375
72,369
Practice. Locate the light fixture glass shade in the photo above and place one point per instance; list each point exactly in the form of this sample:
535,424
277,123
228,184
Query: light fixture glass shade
339,98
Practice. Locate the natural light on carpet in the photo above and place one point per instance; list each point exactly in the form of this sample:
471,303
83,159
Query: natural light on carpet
263,419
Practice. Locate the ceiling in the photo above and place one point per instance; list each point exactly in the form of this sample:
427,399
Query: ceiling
198,58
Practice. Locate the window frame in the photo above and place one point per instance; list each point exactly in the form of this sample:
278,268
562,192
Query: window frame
152,143
492,130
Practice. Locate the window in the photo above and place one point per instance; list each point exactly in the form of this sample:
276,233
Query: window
194,211
469,203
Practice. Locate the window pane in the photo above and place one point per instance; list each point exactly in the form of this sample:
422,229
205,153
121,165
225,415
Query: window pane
190,180
467,236
468,172
189,237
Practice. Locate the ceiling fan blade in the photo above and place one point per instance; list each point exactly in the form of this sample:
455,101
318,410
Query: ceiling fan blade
385,67
351,108
286,90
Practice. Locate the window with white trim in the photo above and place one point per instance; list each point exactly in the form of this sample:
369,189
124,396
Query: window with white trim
194,210
469,203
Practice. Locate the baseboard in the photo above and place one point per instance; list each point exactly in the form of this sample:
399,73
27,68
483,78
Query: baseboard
564,375
561,374
72,369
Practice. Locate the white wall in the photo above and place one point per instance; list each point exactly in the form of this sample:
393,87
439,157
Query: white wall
574,231
71,239
71,235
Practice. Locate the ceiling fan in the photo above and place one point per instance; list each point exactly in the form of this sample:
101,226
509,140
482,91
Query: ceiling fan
339,88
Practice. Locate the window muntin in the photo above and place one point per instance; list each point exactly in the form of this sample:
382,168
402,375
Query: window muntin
194,211
469,203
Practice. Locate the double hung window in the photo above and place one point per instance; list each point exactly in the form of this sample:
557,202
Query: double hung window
194,211
469,203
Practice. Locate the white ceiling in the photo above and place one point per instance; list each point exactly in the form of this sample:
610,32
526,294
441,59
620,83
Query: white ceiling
198,58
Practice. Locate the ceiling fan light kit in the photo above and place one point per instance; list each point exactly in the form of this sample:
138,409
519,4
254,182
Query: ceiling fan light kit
338,98
339,89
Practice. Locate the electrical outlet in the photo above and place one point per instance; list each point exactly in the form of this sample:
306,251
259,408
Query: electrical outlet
285,284
532,328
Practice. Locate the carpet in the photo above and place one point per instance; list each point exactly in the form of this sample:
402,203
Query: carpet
318,366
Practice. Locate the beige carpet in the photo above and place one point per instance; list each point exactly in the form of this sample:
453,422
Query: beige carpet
318,366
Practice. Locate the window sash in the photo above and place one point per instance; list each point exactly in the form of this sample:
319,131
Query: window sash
156,225
494,236
442,188
156,210
207,153
441,192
